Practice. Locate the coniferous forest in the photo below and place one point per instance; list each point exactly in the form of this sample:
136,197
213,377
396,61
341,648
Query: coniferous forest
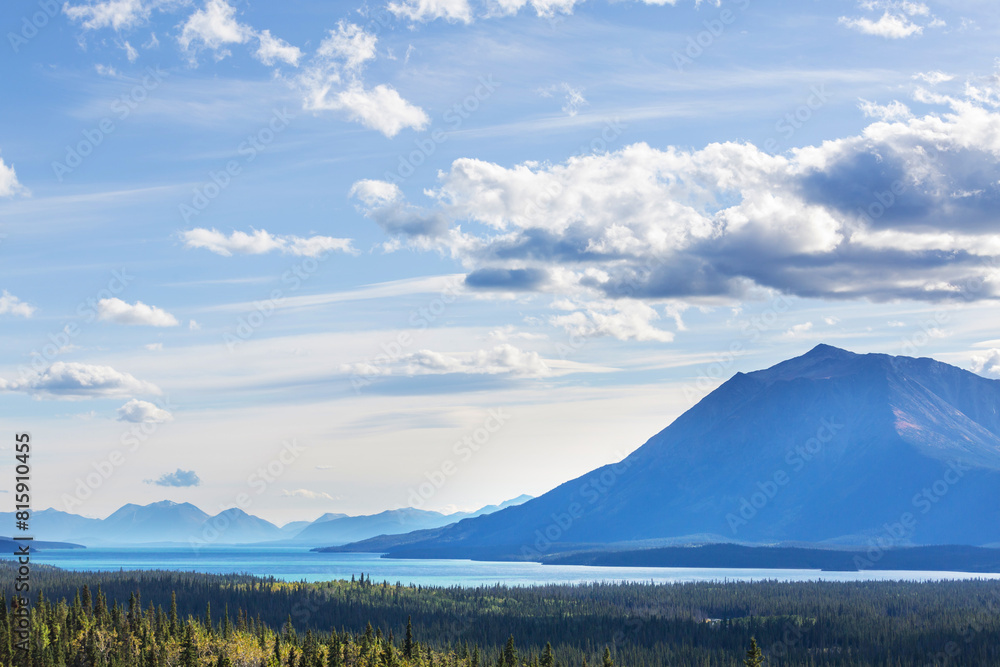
166,619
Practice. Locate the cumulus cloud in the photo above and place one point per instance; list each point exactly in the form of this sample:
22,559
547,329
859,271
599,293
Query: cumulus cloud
143,412
75,380
213,27
120,312
349,43
272,49
899,19
380,108
259,242
9,185
178,478
906,209
11,305
987,364
333,82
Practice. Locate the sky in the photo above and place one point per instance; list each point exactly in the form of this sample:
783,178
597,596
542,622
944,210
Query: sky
308,257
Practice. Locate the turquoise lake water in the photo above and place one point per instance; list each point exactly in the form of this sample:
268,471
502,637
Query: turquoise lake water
296,564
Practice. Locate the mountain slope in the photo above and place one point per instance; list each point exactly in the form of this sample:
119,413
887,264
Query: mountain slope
830,446
346,529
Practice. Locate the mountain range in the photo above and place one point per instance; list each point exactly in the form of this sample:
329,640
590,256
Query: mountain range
170,522
831,447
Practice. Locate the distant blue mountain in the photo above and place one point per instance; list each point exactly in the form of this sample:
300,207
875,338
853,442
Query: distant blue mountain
829,447
169,522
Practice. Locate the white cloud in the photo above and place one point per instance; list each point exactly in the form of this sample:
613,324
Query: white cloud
75,380
11,305
349,43
919,194
933,77
120,312
272,49
193,326
898,19
333,82
130,51
890,26
893,111
213,27
306,493
502,359
9,185
117,14
143,412
376,193
380,108
154,347
798,329
574,98
624,320
428,10
987,364
259,242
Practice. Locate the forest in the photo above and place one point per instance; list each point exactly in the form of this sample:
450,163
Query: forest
163,619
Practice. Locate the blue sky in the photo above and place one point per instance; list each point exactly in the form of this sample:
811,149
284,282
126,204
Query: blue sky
231,225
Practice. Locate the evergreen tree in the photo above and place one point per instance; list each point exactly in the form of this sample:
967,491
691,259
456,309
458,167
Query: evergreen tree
510,653
547,658
408,642
608,662
755,658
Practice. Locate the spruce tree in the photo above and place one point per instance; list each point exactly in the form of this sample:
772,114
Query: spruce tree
408,642
755,658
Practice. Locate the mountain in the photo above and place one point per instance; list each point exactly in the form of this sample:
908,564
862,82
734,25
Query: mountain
234,526
57,525
832,446
346,529
164,521
167,521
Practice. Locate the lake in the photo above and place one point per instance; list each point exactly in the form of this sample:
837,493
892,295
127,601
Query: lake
296,564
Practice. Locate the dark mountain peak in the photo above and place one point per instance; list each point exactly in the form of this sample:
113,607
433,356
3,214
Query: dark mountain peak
829,351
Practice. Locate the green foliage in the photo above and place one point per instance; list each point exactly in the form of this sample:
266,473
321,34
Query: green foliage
755,657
